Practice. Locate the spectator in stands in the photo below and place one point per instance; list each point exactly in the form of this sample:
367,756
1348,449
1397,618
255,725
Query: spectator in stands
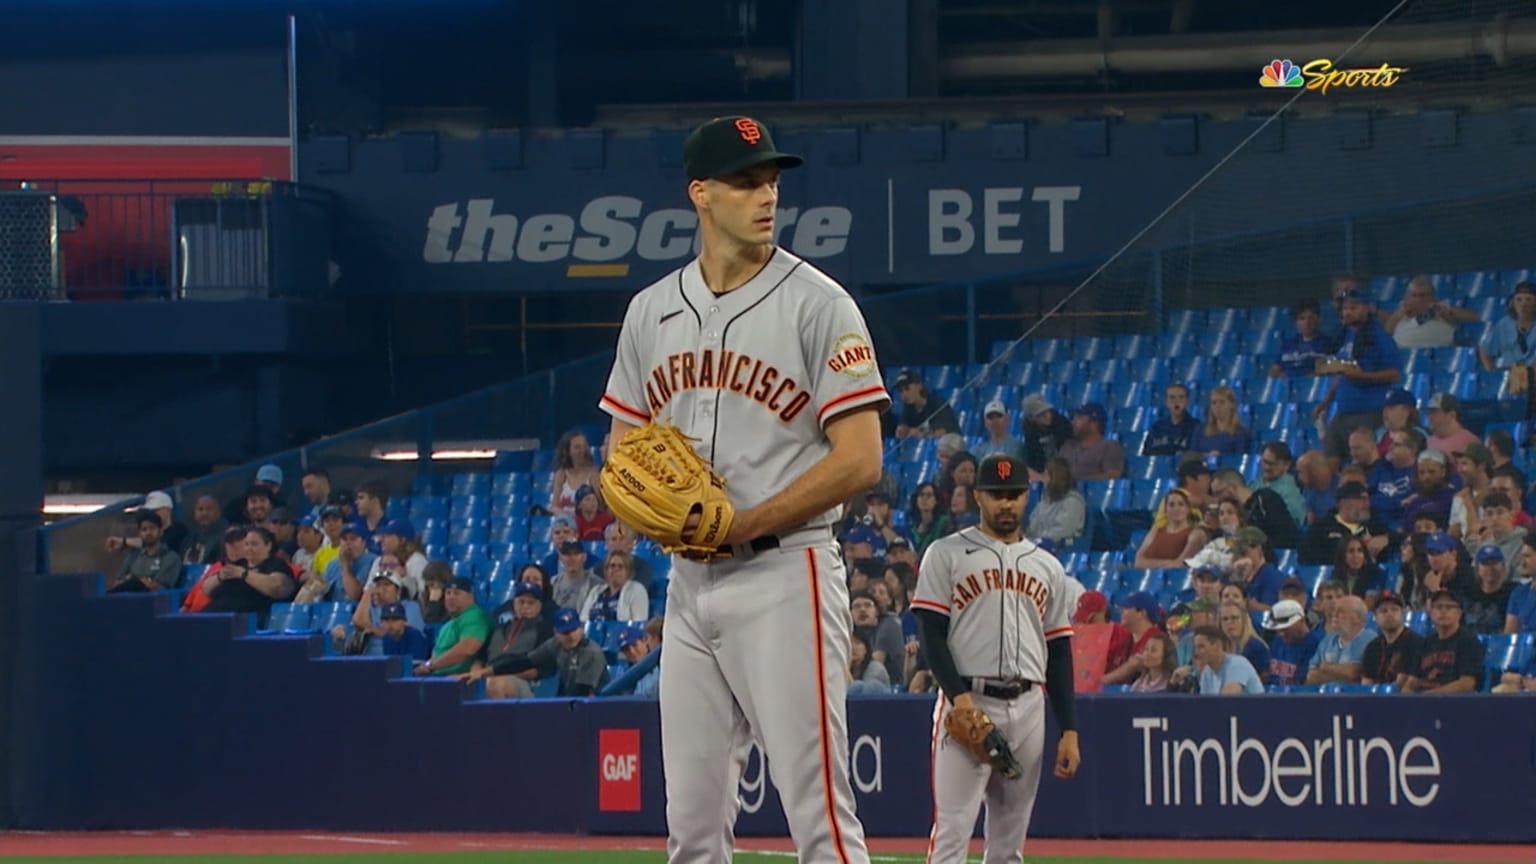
153,565
1300,350
253,583
1520,616
399,638
1510,342
231,550
1450,660
1318,485
1351,517
1275,475
1219,671
1169,545
206,535
173,535
307,539
1236,623
1423,321
332,519
1172,433
460,637
591,519
926,519
1366,364
316,483
1138,614
1446,432
950,444
960,471
1091,455
1497,526
635,645
900,551
562,530
1501,446
280,523
574,469
1518,681
1093,608
1343,284
1045,433
921,413
1233,593
618,537
1339,653
1060,514
369,504
1195,481
1292,645
1506,480
572,583
619,597
1262,508
521,626
1392,479
995,419
397,537
1395,650
1293,589
1399,413
1217,552
882,632
1206,584
269,479
866,676
878,518
1445,571
1251,568
1431,492
384,589
963,510
1485,606
1157,666
578,664
1472,467
354,561
1223,432
1196,613
435,581
1356,571
860,543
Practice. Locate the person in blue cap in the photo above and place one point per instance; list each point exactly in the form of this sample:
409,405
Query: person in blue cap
575,660
401,639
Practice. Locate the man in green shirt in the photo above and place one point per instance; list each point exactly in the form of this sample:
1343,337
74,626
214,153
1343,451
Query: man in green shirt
461,635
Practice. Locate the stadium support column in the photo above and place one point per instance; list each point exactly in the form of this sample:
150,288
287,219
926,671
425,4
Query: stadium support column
21,494
852,50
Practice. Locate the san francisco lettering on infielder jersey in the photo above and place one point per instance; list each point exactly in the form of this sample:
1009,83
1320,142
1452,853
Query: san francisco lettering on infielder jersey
753,374
1004,602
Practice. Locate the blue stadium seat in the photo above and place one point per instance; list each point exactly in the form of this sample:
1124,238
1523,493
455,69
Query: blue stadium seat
1423,360
1271,415
1504,652
508,483
1138,347
1188,370
469,507
1104,561
546,688
1122,392
464,531
1024,374
466,485
279,616
1313,575
1154,372
1388,289
1356,688
1147,494
508,531
1266,320
1063,372
1143,468
328,615
1226,366
1285,560
1418,621
538,529
943,376
1094,349
1106,495
1219,343
1224,320
1266,390
1489,308
1508,279
296,619
398,508
1309,391
190,573
1185,320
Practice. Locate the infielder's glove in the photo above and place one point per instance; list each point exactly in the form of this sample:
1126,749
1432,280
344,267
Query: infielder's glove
973,729
653,480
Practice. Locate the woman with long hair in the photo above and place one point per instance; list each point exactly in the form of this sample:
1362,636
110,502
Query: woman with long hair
960,470
1235,621
1168,545
1358,571
1159,658
1217,553
1223,432
256,581
574,469
1061,513
619,598
926,519
963,510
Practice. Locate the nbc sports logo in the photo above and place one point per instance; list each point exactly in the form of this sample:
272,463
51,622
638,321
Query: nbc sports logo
1280,73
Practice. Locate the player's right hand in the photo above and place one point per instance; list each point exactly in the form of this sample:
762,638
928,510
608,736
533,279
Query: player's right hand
965,701
1067,756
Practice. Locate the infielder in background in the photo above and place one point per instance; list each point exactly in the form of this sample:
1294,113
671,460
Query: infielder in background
766,362
995,623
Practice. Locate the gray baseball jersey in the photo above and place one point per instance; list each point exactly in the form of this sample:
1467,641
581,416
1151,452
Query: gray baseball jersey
1004,600
753,374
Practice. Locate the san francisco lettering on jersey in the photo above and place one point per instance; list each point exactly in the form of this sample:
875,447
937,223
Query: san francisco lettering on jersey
725,369
971,586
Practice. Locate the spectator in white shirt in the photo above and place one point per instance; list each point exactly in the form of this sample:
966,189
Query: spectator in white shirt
1422,320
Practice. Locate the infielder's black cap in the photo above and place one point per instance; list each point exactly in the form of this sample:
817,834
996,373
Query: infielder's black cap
728,145
999,473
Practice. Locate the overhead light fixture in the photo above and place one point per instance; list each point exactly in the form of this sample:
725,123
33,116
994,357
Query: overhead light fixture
79,505
454,451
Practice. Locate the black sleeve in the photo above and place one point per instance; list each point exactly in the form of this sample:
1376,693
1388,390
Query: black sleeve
510,664
933,634
1058,683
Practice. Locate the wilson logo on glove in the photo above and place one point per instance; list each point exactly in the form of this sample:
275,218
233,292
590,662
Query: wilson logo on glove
653,481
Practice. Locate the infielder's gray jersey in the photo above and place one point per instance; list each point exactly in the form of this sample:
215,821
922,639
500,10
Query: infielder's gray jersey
756,371
1004,601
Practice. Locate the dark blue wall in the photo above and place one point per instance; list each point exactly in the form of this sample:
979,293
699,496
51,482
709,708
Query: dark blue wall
180,725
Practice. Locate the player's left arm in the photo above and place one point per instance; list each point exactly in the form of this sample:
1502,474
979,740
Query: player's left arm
1059,685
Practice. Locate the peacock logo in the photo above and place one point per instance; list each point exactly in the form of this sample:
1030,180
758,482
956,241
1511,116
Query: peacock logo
1280,73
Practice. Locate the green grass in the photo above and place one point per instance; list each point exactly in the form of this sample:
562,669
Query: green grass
532,857
619,857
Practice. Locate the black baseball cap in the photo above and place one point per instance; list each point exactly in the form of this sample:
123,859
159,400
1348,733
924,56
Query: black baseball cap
728,145
1000,473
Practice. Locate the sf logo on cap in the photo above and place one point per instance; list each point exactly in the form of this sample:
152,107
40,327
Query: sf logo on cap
749,131
1004,469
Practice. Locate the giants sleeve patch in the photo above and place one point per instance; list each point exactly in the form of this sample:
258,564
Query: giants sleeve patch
852,356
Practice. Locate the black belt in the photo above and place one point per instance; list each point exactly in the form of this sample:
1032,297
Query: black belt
1007,691
761,544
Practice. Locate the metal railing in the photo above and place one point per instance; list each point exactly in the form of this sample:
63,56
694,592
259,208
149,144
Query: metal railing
167,239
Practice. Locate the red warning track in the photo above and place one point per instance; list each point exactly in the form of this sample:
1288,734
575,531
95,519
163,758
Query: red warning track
166,843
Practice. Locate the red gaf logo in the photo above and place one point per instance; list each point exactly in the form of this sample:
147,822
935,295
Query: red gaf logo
618,779
749,131
1004,469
